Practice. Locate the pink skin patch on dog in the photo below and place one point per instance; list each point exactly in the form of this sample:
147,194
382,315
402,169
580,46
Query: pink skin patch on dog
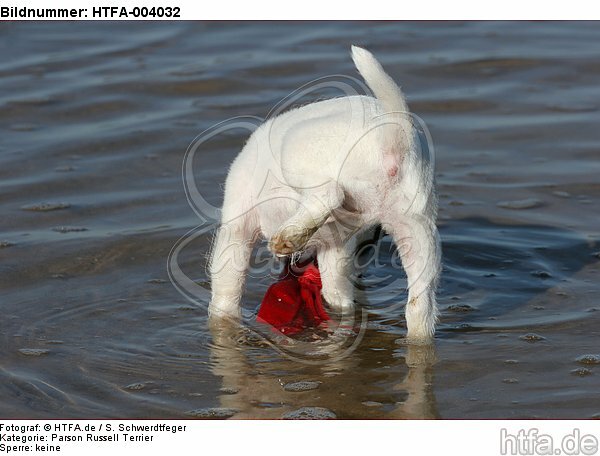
390,164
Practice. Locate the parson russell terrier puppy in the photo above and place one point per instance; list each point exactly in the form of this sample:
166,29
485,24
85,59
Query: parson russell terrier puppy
317,177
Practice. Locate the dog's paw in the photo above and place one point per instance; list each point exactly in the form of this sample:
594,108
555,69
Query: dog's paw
290,239
338,302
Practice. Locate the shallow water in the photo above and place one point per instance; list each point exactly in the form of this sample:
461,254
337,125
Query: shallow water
95,122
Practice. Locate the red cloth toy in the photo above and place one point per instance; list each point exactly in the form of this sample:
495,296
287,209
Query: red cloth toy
294,303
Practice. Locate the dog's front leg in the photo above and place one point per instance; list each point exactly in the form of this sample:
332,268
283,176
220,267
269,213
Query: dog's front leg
229,264
337,272
417,240
314,209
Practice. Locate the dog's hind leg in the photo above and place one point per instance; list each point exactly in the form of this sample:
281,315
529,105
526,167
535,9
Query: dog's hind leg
313,211
417,240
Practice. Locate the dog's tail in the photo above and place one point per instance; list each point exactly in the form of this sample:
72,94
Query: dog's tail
382,85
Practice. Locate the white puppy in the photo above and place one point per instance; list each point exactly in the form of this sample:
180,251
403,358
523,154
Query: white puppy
318,176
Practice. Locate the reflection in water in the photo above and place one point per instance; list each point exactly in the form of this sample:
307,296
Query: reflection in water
390,380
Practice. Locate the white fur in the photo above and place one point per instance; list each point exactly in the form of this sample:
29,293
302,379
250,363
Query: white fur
315,177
